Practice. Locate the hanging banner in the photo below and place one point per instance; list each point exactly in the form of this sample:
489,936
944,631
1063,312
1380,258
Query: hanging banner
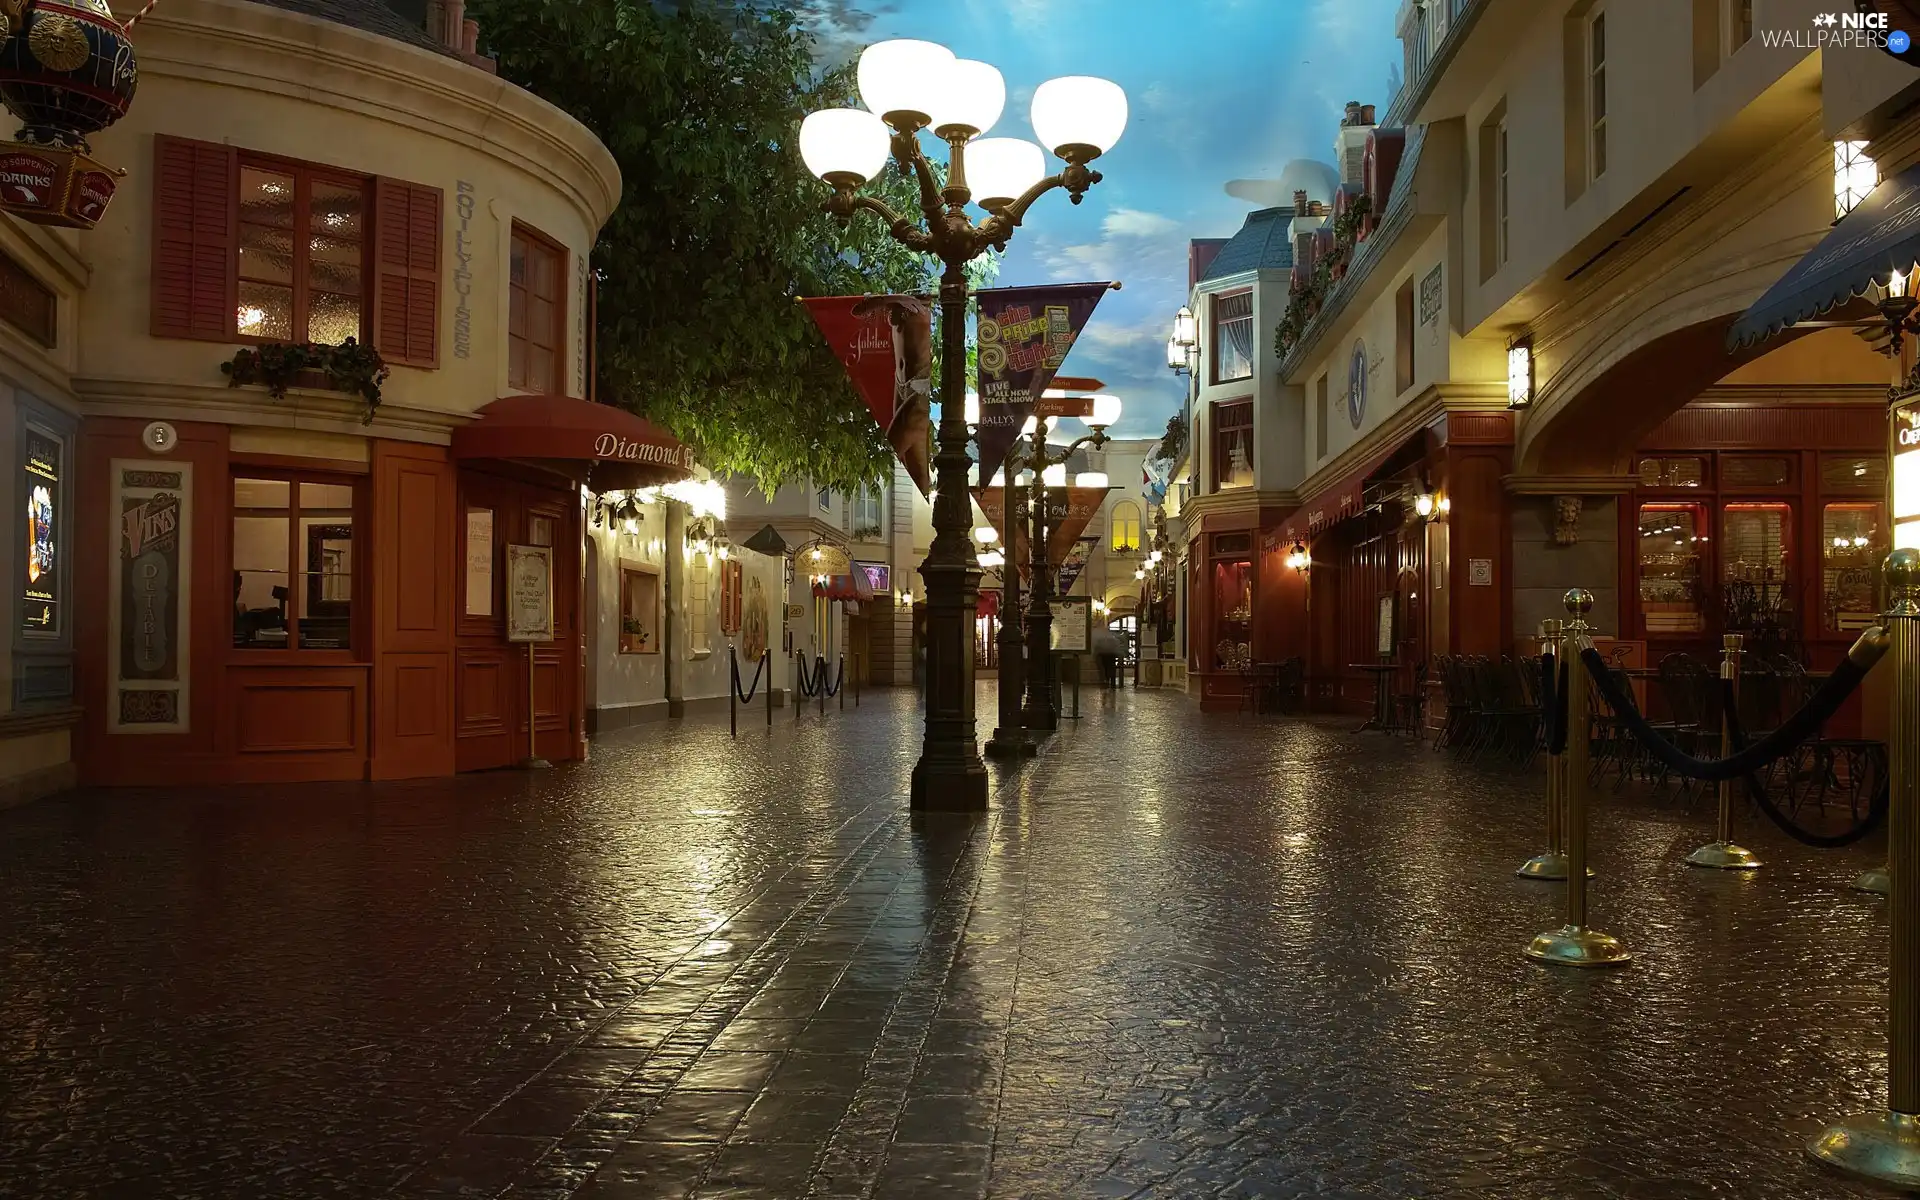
993,502
1069,511
886,344
1075,562
1024,335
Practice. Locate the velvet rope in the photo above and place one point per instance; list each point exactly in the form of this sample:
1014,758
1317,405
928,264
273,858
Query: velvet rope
747,696
1793,731
809,683
1876,808
839,677
1557,713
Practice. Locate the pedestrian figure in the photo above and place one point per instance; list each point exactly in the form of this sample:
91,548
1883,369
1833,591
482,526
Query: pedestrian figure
1106,652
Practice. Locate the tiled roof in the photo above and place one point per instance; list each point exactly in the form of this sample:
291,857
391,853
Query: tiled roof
1263,242
372,16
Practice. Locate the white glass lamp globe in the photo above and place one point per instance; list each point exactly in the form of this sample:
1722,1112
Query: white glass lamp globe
843,142
1185,328
1091,479
1079,112
986,535
971,408
1106,410
1027,427
1000,170
1054,476
972,96
1176,353
904,80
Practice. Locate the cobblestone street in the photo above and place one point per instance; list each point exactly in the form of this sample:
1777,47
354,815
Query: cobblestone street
1181,957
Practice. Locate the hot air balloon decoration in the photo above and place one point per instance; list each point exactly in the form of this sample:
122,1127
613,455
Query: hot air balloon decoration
66,70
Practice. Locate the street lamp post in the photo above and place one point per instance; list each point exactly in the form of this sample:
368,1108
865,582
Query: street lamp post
909,86
1042,710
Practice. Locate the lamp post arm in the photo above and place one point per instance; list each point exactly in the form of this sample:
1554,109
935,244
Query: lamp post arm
906,151
903,230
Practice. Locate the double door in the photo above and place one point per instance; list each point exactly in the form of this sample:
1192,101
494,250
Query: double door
497,690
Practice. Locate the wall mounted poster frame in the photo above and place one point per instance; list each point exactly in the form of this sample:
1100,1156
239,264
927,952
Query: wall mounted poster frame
1073,625
1386,625
529,593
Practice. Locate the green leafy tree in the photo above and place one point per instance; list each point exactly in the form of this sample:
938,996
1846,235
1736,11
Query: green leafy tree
719,228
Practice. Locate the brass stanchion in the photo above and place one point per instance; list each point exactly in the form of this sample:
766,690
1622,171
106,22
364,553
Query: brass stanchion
1553,864
1886,1146
1721,853
532,761
1573,944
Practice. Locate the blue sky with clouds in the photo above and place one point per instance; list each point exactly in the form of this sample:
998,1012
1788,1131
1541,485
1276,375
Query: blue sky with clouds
1217,90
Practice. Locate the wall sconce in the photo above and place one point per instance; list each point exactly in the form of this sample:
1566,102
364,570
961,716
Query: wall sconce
1139,574
1854,176
1520,374
1297,558
1431,506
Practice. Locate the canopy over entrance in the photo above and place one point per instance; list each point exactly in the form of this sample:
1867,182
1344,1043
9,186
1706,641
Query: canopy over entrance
606,447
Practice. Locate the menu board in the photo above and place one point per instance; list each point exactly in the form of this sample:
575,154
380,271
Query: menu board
529,593
40,599
1906,476
1073,625
479,562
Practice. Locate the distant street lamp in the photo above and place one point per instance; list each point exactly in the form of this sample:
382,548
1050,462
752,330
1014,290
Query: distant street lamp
909,86
1049,468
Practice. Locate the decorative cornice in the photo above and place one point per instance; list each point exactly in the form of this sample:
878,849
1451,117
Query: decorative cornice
1746,395
22,722
1234,500
1569,485
253,47
304,408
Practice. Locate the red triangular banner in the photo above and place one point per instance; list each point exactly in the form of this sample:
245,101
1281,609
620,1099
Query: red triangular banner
886,344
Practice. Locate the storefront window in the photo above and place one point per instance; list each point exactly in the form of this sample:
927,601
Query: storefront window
1671,545
1687,472
639,611
293,564
1753,562
1233,614
1755,471
1853,540
1853,473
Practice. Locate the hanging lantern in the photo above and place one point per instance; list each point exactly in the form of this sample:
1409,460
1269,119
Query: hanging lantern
66,70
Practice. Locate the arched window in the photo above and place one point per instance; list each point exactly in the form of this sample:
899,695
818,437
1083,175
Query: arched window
1126,527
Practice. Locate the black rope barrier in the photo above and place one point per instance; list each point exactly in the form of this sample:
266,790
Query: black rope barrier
809,686
839,677
1876,808
759,668
1794,730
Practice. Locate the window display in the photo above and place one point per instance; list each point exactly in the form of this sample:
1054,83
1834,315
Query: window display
639,610
1753,564
1853,540
1671,545
1233,614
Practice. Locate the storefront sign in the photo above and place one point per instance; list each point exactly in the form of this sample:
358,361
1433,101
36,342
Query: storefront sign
1906,476
479,562
1024,335
1430,296
40,599
879,576
620,449
1073,625
886,344
151,572
465,203
753,621
529,593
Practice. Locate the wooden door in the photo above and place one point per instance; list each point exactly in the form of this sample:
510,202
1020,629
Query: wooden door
491,687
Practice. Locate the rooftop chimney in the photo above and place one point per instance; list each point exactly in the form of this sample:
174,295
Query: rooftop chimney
1353,113
1300,202
1366,115
1316,209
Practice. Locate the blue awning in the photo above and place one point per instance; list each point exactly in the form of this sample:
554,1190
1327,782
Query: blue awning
1880,236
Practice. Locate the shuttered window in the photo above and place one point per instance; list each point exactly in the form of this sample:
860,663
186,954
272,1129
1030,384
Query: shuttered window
260,248
536,313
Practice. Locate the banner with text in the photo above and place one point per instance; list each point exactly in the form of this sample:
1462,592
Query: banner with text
1068,512
1075,562
886,344
1024,334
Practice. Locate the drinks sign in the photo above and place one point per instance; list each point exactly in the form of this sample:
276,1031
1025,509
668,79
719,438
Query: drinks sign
1906,476
150,574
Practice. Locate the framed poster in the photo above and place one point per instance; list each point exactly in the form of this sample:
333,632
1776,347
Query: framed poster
479,562
151,571
529,593
879,576
1073,625
1386,626
45,453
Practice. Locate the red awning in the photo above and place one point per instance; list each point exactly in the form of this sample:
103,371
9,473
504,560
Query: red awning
845,587
606,446
1337,501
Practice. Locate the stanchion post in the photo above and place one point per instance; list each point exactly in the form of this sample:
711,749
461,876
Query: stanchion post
1553,864
733,691
843,681
1574,944
1885,1146
1721,853
820,681
799,677
766,661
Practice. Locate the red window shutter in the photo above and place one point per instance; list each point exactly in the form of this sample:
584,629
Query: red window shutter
406,254
196,187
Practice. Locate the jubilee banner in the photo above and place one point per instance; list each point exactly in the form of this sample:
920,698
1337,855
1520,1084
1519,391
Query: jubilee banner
886,344
1024,335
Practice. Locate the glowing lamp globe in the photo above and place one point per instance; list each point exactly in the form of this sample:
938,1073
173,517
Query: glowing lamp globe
1091,479
1106,410
999,170
971,97
843,142
971,408
1080,113
1054,476
904,80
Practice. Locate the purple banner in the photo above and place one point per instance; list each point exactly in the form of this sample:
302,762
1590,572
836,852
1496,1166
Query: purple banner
1076,562
1024,335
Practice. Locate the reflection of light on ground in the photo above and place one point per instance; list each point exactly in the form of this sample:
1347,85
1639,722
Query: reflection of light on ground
712,812
714,948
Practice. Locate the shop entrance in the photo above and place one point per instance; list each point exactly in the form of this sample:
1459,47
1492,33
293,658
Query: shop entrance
491,697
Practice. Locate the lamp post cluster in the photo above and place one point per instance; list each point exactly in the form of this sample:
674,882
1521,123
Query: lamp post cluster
909,86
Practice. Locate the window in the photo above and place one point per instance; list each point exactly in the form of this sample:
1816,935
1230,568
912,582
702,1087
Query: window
536,313
1320,417
1688,472
866,515
1597,95
42,469
252,246
730,578
639,610
27,304
1753,562
1501,204
1853,473
1232,614
825,500
293,562
1233,444
1671,544
1233,337
699,604
1403,338
302,251
1742,23
1126,527
1755,471
1853,540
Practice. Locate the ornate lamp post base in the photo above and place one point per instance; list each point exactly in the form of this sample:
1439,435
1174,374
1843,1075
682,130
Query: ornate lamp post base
1874,880
1547,867
1574,946
1724,856
1880,1146
943,785
1010,743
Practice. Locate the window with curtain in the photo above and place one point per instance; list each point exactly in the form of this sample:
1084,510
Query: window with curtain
1233,445
1320,417
866,514
1126,527
1233,337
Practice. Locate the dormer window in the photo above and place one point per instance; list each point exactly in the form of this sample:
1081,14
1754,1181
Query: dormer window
1233,337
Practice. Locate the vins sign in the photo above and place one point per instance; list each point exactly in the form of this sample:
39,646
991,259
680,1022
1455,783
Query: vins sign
1906,476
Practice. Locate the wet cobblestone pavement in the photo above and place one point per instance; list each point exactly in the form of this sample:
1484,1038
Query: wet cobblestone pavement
1181,957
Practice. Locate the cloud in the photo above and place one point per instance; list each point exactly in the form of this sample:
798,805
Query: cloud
841,28
1134,245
